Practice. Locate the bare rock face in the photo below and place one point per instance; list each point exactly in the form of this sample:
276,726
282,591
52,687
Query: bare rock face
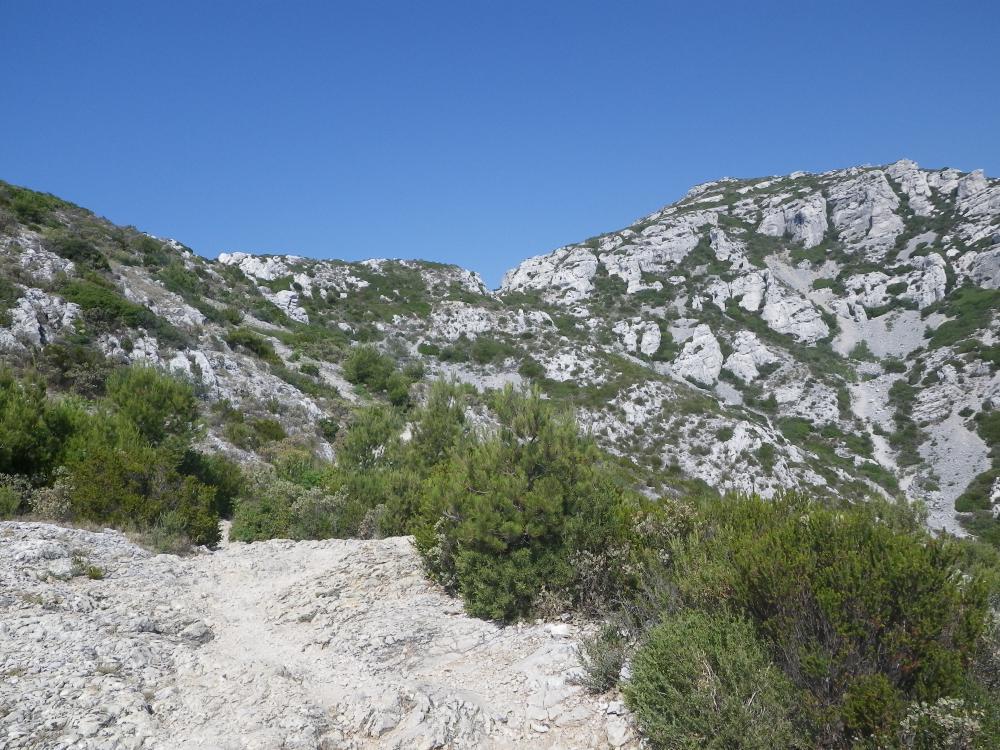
794,315
638,335
267,268
748,355
568,273
450,320
35,259
336,644
913,182
804,219
864,210
37,319
801,287
701,357
984,268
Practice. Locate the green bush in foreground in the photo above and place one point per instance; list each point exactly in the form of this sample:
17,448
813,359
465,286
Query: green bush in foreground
707,681
530,509
124,461
862,610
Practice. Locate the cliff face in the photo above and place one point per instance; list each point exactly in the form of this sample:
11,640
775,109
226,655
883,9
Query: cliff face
826,331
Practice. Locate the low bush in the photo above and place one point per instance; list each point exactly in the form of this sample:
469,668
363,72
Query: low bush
104,306
33,430
365,365
30,207
707,681
270,507
861,608
241,338
14,492
85,254
119,479
160,407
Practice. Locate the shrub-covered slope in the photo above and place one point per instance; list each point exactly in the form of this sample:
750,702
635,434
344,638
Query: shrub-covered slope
831,332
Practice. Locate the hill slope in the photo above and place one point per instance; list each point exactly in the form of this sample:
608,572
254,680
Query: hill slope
826,331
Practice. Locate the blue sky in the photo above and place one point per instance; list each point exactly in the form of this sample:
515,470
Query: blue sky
470,132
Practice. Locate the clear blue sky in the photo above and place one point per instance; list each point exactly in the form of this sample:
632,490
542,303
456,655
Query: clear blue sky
470,132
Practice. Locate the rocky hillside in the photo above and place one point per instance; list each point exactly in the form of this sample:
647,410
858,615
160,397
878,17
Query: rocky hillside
829,331
334,644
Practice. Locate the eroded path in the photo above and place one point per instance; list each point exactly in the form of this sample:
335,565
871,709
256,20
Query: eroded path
270,645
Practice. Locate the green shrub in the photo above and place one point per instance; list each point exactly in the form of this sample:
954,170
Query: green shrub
264,509
270,507
864,610
76,366
30,207
894,365
103,305
365,365
169,534
179,279
121,480
706,681
485,350
946,724
241,338
602,657
159,405
33,430
531,369
971,308
9,295
124,461
267,430
14,492
329,428
397,389
513,513
80,251
217,471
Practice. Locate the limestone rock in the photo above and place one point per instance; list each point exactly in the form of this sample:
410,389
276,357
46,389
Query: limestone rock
804,219
638,335
748,355
38,318
567,272
913,182
790,313
864,210
339,643
267,268
701,357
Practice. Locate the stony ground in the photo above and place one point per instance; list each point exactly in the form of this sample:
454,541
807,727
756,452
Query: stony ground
335,644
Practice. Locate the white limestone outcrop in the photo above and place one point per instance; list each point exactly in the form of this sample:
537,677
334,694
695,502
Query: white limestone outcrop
278,644
701,357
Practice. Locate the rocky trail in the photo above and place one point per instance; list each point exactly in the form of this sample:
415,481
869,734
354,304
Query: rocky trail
332,644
